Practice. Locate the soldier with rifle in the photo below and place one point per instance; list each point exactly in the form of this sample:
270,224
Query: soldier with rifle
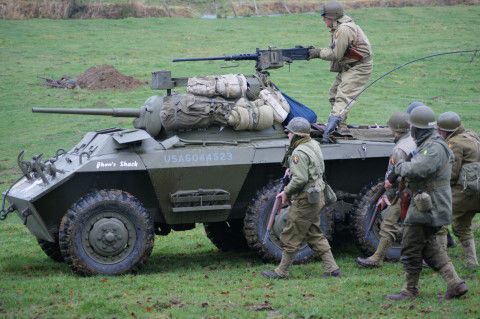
390,229
465,145
428,177
350,54
305,191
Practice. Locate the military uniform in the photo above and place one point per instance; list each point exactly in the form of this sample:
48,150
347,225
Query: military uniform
306,193
428,178
390,228
303,223
353,69
466,148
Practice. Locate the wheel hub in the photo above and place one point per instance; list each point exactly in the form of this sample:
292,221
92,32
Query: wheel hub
108,237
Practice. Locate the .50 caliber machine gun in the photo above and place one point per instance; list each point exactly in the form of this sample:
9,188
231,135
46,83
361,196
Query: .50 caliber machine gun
270,58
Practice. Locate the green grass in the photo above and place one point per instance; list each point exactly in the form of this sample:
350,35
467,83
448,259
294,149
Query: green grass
185,270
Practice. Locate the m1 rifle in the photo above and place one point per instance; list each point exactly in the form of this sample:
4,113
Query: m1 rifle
277,205
268,59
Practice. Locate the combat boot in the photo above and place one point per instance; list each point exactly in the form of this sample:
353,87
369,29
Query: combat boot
376,260
455,286
329,128
331,267
281,272
409,290
471,260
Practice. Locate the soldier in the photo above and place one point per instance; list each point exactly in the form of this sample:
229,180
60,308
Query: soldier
390,229
466,148
350,54
428,177
305,192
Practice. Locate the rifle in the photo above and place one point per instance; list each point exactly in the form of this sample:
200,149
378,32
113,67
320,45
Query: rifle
270,58
377,210
277,205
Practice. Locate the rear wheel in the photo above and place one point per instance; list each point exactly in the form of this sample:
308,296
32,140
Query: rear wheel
106,232
362,215
255,227
227,236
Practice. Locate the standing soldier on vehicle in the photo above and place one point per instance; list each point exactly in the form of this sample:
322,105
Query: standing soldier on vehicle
428,177
465,146
350,54
305,191
390,229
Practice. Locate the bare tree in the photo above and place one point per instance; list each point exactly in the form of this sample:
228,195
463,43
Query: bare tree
256,8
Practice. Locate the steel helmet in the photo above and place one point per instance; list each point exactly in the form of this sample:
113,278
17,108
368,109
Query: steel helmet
332,10
299,126
399,122
413,105
448,121
422,117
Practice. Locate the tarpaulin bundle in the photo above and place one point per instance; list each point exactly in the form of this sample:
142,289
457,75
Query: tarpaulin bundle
298,109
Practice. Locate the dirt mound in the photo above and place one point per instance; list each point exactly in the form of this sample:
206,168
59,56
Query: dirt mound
102,77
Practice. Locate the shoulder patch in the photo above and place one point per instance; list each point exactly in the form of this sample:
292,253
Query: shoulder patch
295,159
424,152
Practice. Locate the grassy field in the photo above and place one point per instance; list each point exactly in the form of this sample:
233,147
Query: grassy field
186,276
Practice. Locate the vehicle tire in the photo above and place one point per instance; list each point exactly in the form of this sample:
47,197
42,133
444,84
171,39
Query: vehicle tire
362,213
227,236
255,225
52,250
106,232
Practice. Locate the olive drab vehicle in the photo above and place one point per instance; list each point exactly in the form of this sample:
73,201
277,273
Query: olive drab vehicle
99,205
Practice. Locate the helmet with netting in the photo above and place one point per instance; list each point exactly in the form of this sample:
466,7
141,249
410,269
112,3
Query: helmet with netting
448,121
398,122
422,117
299,126
332,10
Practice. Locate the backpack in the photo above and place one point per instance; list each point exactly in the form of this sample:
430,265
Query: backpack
469,178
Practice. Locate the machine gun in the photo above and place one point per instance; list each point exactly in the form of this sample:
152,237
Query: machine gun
270,58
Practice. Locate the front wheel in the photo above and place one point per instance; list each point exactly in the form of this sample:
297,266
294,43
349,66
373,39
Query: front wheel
106,232
255,226
362,215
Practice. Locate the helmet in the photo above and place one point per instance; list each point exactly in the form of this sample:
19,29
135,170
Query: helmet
448,121
413,105
422,117
399,122
332,10
299,126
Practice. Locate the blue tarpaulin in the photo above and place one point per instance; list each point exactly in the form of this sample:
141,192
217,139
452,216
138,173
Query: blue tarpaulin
298,109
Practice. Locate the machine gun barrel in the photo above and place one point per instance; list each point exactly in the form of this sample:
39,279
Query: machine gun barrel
233,57
116,112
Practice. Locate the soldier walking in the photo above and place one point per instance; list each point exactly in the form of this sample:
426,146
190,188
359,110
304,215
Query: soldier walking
465,146
428,177
305,192
350,54
390,229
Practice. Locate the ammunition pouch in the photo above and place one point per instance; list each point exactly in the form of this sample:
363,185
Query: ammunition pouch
423,202
313,194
